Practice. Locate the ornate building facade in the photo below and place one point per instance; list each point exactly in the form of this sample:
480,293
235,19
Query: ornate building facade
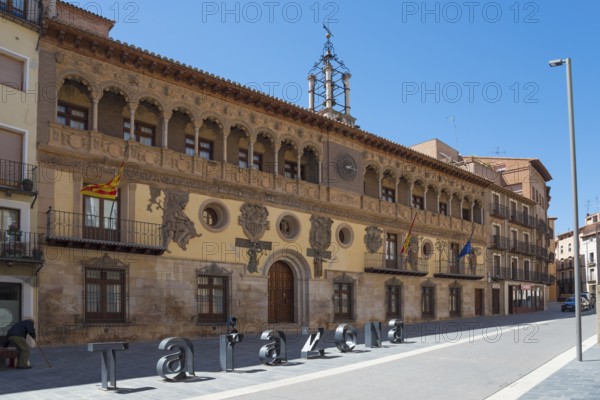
235,203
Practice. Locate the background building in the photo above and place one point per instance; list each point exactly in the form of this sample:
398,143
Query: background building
21,255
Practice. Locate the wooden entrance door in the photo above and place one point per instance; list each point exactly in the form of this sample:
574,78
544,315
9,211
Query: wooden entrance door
478,301
495,301
281,293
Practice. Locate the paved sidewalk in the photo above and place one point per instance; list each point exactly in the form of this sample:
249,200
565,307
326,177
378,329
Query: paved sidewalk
75,372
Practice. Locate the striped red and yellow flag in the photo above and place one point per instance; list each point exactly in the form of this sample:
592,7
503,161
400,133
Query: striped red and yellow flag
106,190
407,240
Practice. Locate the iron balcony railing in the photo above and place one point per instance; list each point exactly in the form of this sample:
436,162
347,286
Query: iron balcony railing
21,246
519,274
499,242
395,264
78,230
18,176
498,210
460,269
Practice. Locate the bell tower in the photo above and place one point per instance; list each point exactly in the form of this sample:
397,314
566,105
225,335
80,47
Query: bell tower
329,85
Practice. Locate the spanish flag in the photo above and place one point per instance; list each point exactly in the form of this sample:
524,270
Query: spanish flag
106,190
407,240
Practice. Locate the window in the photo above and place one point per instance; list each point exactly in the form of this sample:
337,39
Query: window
343,297
12,70
144,133
189,145
288,227
388,194
497,268
214,216
291,170
443,208
213,301
454,301
345,236
591,257
243,160
105,294
526,268
205,149
9,217
72,116
100,219
393,300
418,202
391,249
428,301
466,214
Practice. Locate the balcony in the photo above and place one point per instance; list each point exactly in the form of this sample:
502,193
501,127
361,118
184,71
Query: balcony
17,177
523,219
84,231
519,274
460,269
497,210
499,242
22,246
382,263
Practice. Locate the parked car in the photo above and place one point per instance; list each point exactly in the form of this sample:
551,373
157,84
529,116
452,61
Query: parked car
590,298
569,304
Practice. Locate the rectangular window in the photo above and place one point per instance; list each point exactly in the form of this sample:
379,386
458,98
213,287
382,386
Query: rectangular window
418,202
391,250
205,149
393,300
428,301
454,302
213,302
72,116
290,170
12,71
466,214
497,269
189,145
9,220
105,294
100,220
343,301
443,208
144,133
243,158
388,194
257,161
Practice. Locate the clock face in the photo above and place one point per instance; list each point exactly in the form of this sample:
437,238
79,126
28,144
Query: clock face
346,166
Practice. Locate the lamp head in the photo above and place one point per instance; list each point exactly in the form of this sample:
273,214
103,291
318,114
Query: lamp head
556,63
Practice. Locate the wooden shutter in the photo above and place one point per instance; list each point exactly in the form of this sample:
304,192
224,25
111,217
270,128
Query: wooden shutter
11,72
12,146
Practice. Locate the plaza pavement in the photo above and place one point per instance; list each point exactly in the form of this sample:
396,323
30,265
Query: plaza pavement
75,372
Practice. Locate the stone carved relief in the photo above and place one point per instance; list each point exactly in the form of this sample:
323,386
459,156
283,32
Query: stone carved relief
254,220
373,238
177,226
320,240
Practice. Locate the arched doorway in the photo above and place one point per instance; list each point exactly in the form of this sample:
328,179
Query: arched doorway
281,293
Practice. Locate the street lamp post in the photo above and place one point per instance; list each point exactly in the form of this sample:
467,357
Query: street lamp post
556,63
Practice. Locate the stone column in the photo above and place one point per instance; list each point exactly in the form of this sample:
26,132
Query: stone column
328,86
346,79
320,172
299,177
132,108
311,92
95,103
226,132
165,129
276,148
251,141
196,138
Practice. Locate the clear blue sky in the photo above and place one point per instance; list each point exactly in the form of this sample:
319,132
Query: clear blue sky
482,63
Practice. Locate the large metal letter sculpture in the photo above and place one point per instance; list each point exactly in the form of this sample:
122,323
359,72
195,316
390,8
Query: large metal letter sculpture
274,352
108,359
345,337
373,334
396,334
310,347
181,363
226,346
